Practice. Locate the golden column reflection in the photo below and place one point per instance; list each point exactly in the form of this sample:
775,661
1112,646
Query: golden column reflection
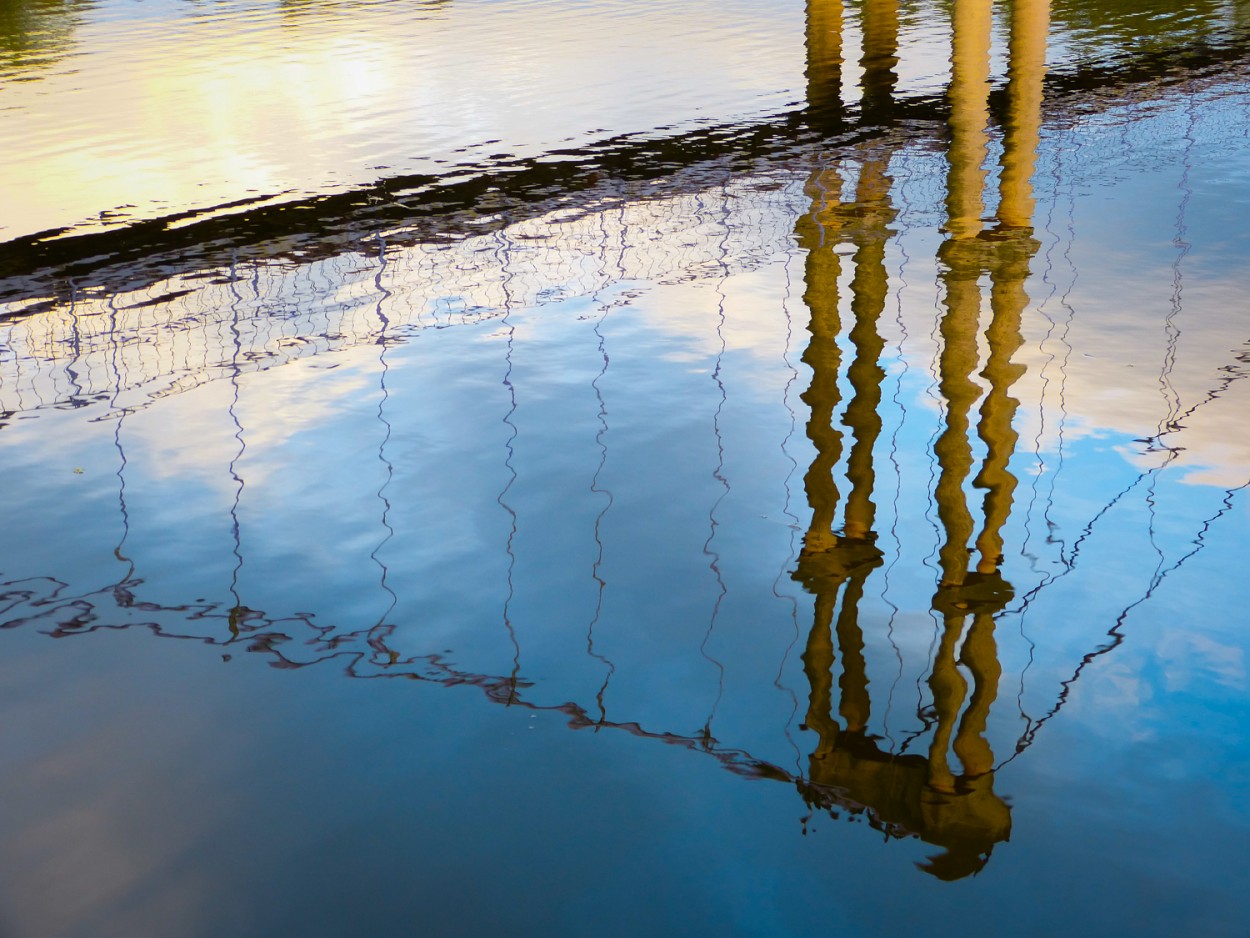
822,270
824,58
955,808
1008,301
879,58
969,114
981,593
1030,23
969,253
847,767
835,561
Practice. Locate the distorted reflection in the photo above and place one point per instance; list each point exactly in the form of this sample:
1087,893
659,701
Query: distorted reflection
493,280
908,793
824,27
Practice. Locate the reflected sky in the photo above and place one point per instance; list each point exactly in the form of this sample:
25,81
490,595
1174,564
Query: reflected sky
873,508
119,110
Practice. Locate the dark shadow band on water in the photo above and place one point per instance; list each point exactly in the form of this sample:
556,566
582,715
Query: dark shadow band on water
46,267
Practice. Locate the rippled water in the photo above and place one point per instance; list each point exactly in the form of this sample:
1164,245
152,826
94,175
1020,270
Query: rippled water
845,438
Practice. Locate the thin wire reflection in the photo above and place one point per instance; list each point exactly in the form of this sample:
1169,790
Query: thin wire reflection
121,590
385,395
503,247
714,558
595,485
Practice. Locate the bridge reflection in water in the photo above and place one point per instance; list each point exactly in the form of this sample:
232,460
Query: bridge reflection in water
190,329
911,793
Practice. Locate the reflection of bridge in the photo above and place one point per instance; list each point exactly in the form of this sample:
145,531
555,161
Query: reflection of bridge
921,795
129,350
424,209
150,343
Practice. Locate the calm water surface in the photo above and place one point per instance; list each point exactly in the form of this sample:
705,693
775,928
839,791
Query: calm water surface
589,468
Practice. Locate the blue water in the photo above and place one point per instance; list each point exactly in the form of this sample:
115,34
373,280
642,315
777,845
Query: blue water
466,571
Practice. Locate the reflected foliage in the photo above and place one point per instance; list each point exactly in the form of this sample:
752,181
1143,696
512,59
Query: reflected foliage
35,33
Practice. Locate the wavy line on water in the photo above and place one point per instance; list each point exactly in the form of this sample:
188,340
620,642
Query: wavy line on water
1116,633
786,510
925,715
71,368
120,589
718,475
1047,277
1042,307
237,611
595,488
1171,330
897,401
385,395
503,255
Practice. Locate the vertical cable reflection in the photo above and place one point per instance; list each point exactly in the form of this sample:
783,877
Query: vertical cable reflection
121,590
792,519
718,474
595,486
897,404
239,614
1172,334
71,368
383,341
504,255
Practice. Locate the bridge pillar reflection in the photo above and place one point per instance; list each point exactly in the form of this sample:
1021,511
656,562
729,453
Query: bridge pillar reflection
879,59
955,808
825,21
1030,24
1004,253
969,96
824,24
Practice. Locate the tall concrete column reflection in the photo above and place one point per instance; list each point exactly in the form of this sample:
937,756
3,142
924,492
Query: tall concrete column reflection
879,59
824,24
822,270
1008,301
836,560
954,807
965,805
847,766
1030,23
969,115
969,253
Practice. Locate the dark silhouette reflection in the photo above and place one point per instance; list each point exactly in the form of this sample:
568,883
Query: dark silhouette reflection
910,794
38,32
